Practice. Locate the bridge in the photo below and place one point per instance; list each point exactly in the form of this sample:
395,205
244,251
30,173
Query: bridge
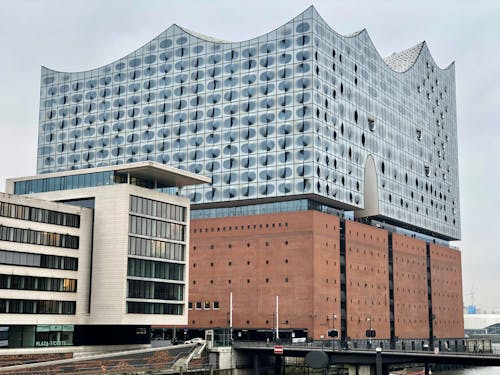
376,361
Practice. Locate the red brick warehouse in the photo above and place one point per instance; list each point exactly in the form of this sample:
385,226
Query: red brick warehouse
296,256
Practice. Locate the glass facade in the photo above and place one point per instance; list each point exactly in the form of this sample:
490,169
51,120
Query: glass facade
145,247
163,210
24,306
77,181
156,228
154,308
42,335
268,208
18,258
157,243
83,202
86,180
155,290
297,111
54,335
49,284
36,237
39,215
155,269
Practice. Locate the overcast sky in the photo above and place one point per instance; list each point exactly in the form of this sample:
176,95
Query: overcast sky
80,35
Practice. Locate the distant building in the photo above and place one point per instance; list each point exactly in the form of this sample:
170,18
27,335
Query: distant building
483,326
471,309
334,174
100,266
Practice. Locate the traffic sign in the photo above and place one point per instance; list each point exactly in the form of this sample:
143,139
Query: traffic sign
278,350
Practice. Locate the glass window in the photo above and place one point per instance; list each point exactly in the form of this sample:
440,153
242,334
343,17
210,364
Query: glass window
38,260
38,215
154,308
37,283
16,306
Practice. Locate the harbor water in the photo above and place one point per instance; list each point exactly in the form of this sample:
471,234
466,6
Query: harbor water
471,371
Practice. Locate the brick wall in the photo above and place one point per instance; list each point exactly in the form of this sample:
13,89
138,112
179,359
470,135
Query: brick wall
367,280
411,314
447,301
296,256
297,259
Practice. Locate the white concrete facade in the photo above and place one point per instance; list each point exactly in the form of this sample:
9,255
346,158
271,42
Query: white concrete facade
81,275
109,259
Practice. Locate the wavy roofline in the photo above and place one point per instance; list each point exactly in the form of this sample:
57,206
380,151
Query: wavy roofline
365,31
448,67
204,37
210,39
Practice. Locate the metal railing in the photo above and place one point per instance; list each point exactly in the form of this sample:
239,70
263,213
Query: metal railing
406,346
133,364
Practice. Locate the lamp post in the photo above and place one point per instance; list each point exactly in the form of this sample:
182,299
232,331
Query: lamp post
332,332
334,316
228,330
230,318
277,319
369,319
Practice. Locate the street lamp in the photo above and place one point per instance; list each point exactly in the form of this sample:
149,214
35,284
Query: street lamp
369,332
227,334
334,333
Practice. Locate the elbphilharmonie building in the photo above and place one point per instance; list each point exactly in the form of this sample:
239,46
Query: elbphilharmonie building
214,179
301,112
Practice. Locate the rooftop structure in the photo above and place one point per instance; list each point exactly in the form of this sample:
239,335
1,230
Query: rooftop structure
147,174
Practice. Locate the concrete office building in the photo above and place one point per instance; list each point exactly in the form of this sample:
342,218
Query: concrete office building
44,269
94,257
300,120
